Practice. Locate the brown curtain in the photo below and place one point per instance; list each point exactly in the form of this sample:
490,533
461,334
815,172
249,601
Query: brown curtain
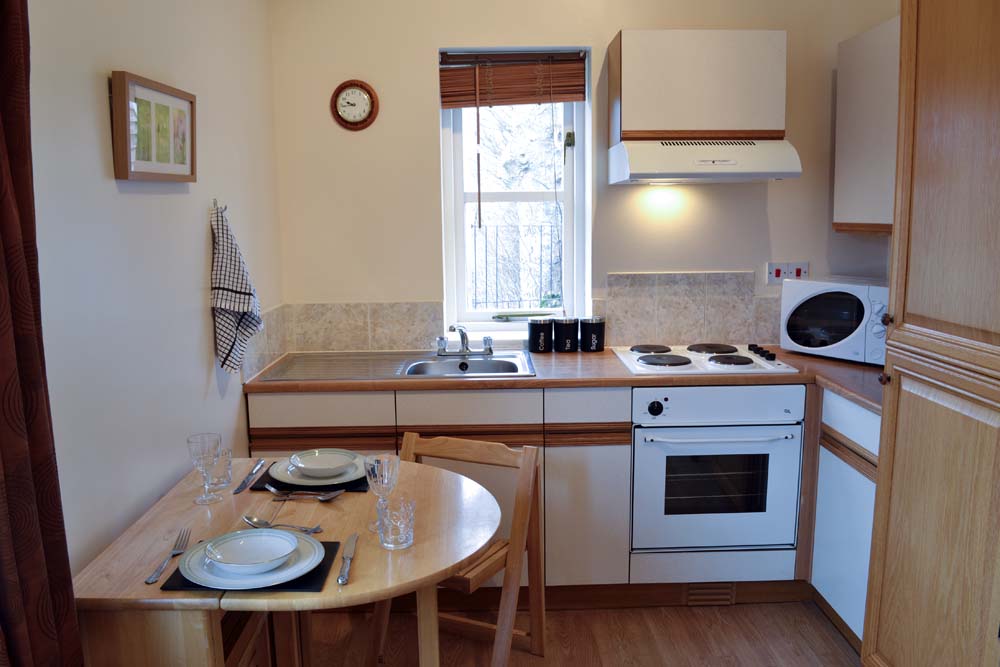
37,613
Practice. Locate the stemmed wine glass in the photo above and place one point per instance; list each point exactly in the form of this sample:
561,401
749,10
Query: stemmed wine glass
204,451
382,471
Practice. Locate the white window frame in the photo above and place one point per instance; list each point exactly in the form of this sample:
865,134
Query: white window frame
575,251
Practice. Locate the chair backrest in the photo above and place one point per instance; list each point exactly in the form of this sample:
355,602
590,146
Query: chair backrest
488,453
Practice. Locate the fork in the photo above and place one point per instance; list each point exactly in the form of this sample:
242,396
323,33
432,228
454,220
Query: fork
179,546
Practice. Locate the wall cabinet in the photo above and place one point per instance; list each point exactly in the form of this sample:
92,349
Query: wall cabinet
845,505
677,84
867,104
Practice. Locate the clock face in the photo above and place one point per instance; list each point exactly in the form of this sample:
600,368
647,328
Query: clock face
354,104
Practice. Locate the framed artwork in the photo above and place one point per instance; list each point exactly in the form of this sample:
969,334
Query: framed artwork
152,130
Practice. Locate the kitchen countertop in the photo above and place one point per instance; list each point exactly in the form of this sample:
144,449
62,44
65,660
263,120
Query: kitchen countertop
369,371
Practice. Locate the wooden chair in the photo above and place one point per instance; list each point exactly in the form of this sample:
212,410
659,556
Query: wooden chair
502,554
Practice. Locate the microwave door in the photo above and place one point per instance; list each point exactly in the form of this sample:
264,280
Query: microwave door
831,323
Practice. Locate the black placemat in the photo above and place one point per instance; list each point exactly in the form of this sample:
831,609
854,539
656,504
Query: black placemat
310,582
360,485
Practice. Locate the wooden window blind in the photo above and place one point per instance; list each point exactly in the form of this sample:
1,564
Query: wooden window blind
490,79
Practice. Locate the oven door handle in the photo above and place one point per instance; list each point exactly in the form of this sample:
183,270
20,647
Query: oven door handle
717,441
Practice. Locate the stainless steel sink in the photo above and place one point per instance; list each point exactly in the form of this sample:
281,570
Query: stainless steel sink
499,364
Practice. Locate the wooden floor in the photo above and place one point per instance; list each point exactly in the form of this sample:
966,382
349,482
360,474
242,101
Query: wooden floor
793,633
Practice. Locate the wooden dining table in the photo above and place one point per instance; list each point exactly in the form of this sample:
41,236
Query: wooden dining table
125,621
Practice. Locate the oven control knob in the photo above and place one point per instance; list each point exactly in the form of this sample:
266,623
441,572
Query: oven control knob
655,408
770,356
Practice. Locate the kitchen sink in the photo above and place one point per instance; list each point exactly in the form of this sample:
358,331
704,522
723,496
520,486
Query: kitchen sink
500,364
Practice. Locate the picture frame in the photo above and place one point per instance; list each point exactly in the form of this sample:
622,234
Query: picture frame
153,130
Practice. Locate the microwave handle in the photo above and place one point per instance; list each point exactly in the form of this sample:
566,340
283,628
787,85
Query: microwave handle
717,441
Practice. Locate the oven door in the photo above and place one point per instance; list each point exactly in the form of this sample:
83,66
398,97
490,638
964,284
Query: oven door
715,487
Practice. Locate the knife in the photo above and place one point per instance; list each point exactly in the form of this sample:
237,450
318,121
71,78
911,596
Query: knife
248,480
345,563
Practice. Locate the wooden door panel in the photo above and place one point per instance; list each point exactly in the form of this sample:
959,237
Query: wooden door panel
934,591
946,299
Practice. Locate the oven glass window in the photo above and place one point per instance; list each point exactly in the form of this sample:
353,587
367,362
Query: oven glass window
723,484
825,319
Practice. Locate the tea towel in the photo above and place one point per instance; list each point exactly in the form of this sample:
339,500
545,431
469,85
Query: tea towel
235,306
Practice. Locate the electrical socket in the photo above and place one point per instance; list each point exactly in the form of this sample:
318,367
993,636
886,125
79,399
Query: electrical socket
776,272
797,270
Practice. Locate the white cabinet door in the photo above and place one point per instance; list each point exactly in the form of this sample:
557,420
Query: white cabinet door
587,514
867,92
697,80
845,505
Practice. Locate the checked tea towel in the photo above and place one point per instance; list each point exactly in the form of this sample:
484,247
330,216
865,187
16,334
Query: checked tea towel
235,306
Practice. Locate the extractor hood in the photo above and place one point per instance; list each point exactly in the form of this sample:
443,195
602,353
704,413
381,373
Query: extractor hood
708,161
698,106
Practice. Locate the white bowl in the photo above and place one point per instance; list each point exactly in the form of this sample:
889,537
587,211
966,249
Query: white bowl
251,551
323,462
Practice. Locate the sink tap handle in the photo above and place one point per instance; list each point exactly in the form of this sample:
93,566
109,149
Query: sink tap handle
442,344
487,344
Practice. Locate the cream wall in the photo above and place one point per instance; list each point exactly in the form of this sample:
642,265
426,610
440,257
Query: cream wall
361,212
125,265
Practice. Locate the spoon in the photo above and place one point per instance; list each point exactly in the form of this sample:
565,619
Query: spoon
257,522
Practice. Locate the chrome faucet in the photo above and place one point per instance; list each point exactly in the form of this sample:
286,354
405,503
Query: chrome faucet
464,350
463,335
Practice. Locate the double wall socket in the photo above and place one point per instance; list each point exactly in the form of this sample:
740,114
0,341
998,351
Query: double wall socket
778,271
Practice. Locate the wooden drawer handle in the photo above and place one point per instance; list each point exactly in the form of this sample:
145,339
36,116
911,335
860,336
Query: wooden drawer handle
884,379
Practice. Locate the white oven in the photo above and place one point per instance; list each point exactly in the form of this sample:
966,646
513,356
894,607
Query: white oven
716,468
838,317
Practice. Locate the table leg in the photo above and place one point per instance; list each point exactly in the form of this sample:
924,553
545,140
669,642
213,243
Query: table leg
376,640
427,625
287,640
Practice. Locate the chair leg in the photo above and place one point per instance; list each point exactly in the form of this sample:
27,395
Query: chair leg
536,579
505,617
379,629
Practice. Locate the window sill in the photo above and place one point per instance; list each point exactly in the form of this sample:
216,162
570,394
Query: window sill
512,338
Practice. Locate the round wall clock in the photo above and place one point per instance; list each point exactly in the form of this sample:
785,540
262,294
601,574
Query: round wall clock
354,105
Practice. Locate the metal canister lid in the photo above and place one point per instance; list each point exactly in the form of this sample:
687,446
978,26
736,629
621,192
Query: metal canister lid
596,319
566,320
540,320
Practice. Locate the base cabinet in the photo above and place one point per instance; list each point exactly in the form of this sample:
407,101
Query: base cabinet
845,506
586,514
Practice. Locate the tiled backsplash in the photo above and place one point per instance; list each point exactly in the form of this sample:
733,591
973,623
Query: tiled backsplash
687,307
309,327
640,308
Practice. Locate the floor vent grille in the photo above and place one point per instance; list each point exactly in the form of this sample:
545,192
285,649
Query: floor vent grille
710,595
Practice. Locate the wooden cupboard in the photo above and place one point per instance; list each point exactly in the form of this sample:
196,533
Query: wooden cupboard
934,584
945,299
934,590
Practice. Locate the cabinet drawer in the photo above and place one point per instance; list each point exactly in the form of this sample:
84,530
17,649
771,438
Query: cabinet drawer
602,404
850,419
486,406
362,408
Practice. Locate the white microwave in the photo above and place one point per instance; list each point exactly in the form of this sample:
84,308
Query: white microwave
837,317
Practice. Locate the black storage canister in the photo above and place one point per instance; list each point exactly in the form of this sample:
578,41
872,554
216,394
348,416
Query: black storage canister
540,334
567,334
592,334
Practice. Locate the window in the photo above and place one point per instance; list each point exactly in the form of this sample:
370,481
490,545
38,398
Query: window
526,254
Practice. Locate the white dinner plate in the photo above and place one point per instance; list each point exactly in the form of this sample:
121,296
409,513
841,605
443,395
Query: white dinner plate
283,471
200,570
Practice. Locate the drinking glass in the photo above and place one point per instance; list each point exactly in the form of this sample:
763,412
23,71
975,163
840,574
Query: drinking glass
395,522
204,451
222,471
382,471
